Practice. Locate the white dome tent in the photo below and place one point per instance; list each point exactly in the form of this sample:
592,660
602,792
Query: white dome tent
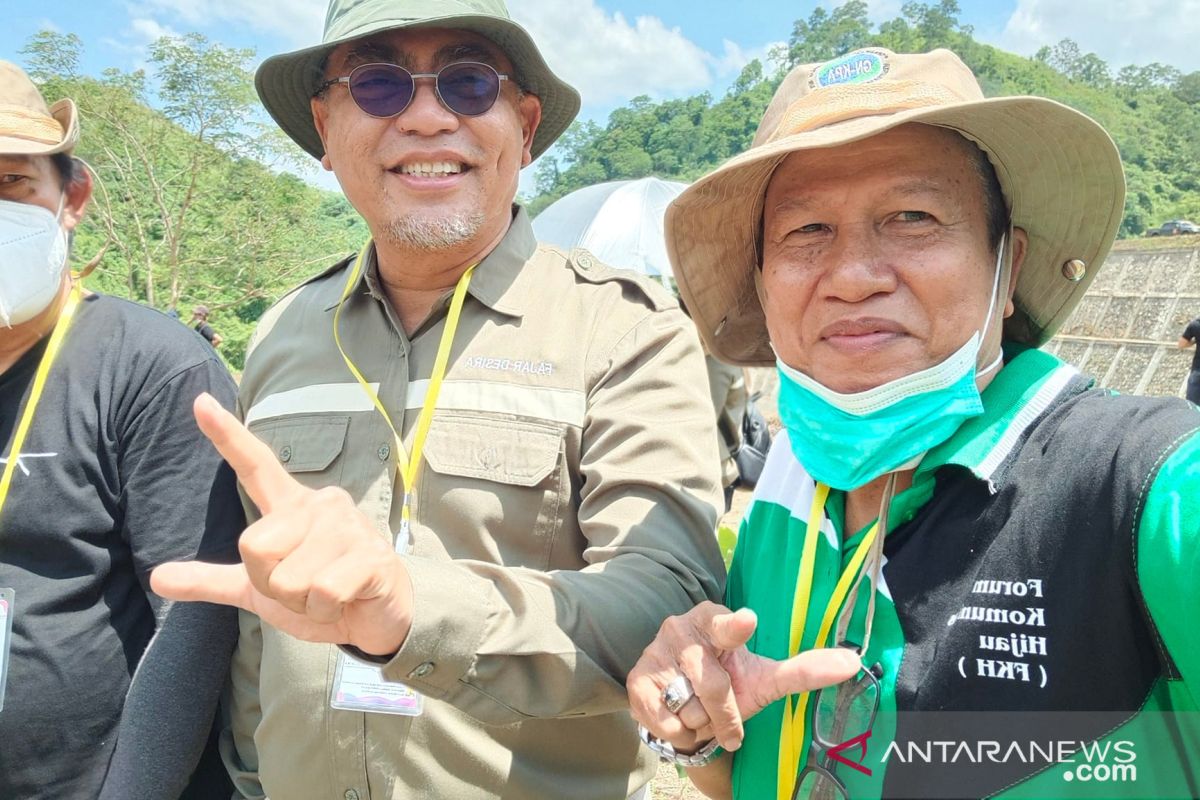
620,222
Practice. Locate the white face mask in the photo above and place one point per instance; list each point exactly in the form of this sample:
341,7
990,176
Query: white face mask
33,254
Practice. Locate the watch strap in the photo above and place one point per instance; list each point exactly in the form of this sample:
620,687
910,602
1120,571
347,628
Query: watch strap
666,752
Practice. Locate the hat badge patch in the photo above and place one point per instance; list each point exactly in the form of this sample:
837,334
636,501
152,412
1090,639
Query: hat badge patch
861,66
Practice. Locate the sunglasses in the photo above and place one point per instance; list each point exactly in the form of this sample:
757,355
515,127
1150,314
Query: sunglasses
384,90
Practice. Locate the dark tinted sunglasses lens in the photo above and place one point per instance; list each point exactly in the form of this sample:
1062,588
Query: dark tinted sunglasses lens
468,89
381,90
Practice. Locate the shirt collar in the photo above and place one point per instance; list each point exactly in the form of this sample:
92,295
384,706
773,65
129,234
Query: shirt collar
496,281
1030,382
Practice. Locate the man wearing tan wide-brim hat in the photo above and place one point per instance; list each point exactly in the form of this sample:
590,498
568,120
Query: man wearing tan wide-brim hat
952,520
485,468
103,476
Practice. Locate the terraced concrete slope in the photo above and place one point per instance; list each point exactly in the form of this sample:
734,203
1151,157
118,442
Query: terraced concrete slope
1126,329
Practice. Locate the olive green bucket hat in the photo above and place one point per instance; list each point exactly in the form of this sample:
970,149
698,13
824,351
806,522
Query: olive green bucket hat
287,82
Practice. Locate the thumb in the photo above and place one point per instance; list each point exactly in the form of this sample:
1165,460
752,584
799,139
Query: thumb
227,584
731,631
810,670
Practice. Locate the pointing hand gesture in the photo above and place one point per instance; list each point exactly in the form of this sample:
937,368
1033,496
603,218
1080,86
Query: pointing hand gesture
313,566
707,645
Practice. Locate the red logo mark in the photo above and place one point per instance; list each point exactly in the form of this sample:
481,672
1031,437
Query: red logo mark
859,741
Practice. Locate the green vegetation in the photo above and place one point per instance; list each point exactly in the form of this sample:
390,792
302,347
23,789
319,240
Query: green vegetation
186,211
1152,112
195,205
727,541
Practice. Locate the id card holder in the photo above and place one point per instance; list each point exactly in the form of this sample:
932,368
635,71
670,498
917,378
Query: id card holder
6,611
361,687
358,686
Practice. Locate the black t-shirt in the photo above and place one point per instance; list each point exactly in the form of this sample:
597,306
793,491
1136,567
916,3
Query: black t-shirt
114,478
1192,333
205,330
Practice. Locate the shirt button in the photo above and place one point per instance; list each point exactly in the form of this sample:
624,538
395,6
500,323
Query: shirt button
351,794
582,258
285,453
422,670
384,451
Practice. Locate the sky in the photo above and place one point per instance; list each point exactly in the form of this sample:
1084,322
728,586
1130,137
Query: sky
615,50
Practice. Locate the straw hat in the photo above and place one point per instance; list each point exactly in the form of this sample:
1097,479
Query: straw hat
27,126
287,82
1059,170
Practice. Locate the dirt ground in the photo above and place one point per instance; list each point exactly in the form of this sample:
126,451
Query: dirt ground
668,786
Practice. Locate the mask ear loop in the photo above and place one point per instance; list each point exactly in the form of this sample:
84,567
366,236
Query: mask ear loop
1003,274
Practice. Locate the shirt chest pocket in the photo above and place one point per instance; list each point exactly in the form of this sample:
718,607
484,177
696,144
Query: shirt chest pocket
309,446
494,489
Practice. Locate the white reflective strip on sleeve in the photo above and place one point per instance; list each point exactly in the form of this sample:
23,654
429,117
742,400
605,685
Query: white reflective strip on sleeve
568,406
1050,389
319,398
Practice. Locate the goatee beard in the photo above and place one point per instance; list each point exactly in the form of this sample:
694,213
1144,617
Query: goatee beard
416,232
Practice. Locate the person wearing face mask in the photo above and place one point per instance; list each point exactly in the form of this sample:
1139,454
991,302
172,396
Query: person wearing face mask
998,554
106,690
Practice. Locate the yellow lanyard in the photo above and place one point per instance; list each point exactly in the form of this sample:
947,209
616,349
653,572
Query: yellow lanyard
35,394
408,465
791,738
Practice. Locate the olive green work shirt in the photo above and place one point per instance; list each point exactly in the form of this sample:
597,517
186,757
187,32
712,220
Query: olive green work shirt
565,507
727,390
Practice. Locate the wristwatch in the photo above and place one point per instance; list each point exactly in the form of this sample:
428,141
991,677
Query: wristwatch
667,753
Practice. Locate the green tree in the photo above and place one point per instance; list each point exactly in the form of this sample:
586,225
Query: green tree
1152,111
1187,88
52,56
828,34
185,212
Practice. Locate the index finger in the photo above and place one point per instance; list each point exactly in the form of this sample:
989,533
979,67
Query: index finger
266,482
713,689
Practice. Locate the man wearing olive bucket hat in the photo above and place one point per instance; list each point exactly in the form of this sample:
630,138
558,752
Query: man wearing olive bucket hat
494,549
963,515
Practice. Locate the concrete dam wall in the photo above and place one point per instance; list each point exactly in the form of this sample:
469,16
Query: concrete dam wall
1126,329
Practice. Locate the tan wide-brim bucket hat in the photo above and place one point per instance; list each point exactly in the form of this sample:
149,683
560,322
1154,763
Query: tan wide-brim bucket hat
28,127
1059,170
286,82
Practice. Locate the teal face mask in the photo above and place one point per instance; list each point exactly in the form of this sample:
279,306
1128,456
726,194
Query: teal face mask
848,440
